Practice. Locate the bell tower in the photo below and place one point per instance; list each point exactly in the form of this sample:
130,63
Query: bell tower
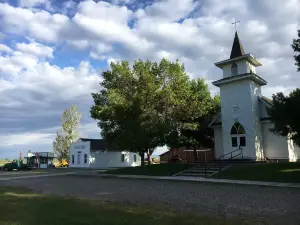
240,88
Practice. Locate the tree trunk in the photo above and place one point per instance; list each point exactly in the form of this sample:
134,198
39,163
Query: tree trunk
195,153
149,155
148,158
142,154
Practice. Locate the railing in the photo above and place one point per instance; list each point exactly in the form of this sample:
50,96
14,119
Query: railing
231,157
219,160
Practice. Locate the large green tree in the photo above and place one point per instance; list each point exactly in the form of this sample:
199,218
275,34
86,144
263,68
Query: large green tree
296,48
137,108
285,115
286,109
194,132
68,134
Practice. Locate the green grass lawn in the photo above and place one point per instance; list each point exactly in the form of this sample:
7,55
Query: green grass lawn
274,172
165,169
22,207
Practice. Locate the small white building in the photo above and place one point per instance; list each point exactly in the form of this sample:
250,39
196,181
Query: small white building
244,121
96,153
41,160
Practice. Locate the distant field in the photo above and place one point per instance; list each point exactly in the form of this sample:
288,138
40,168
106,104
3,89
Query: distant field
2,162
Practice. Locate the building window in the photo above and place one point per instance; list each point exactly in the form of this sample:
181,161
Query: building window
238,138
234,142
85,158
122,157
134,158
234,69
242,141
78,158
43,160
73,159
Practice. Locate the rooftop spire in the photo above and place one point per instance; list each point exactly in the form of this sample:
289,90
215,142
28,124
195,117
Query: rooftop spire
237,48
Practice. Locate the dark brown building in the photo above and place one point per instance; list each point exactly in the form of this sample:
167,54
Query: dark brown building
187,154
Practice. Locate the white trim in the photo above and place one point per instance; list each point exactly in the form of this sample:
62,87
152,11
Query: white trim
252,77
248,57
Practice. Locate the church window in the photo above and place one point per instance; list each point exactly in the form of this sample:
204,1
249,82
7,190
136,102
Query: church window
234,69
243,141
237,128
238,138
85,158
234,141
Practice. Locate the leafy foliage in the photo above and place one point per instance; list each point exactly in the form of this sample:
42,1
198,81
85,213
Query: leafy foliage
142,108
285,115
68,134
296,48
194,132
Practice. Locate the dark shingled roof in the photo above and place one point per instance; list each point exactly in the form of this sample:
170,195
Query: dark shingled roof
270,101
237,48
100,144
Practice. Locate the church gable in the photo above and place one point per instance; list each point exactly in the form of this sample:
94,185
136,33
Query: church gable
264,103
217,121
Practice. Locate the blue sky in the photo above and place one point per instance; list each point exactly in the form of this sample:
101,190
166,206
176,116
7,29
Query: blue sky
52,53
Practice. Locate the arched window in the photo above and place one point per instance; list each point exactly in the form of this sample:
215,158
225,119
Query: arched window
238,138
234,69
237,128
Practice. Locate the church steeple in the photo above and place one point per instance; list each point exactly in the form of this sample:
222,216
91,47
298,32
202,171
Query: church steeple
237,47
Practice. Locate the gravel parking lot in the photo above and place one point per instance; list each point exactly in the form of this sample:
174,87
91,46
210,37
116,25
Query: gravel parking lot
211,199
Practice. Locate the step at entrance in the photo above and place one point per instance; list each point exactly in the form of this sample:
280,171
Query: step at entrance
200,171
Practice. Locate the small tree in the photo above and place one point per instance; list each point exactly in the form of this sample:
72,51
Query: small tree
285,115
296,48
68,134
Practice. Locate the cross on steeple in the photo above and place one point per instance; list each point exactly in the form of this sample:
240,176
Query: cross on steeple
235,22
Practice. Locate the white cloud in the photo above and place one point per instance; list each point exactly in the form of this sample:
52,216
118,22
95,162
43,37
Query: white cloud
24,138
4,48
40,25
79,44
35,49
169,10
104,11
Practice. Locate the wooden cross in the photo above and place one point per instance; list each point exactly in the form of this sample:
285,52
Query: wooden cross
235,22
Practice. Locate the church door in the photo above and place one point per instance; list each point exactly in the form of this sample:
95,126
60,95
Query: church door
238,136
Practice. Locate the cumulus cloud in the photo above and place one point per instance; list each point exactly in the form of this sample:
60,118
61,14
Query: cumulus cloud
35,49
161,10
40,24
4,48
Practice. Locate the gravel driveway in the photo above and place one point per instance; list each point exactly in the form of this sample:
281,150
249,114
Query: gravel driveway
212,199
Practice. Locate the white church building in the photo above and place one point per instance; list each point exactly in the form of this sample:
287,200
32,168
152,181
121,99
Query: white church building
96,153
243,121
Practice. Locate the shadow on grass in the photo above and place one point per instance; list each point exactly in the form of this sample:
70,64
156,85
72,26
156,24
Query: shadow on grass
22,207
271,172
165,169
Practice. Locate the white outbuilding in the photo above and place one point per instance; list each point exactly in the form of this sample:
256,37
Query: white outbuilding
97,153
